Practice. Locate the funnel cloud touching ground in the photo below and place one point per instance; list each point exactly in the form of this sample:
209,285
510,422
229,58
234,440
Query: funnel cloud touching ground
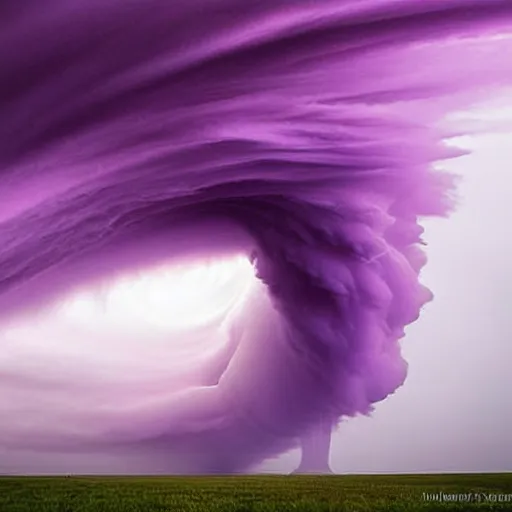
289,146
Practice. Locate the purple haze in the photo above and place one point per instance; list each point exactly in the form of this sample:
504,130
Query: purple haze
300,133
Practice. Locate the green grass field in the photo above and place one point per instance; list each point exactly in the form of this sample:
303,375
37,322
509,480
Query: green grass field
256,493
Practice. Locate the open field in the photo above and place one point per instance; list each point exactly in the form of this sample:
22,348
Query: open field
257,493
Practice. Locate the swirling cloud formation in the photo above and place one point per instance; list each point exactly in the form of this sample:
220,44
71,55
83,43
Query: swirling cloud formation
294,139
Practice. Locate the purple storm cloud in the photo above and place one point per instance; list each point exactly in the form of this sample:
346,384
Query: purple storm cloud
298,137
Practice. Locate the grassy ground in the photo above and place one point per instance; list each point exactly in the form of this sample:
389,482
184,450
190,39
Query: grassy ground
256,493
